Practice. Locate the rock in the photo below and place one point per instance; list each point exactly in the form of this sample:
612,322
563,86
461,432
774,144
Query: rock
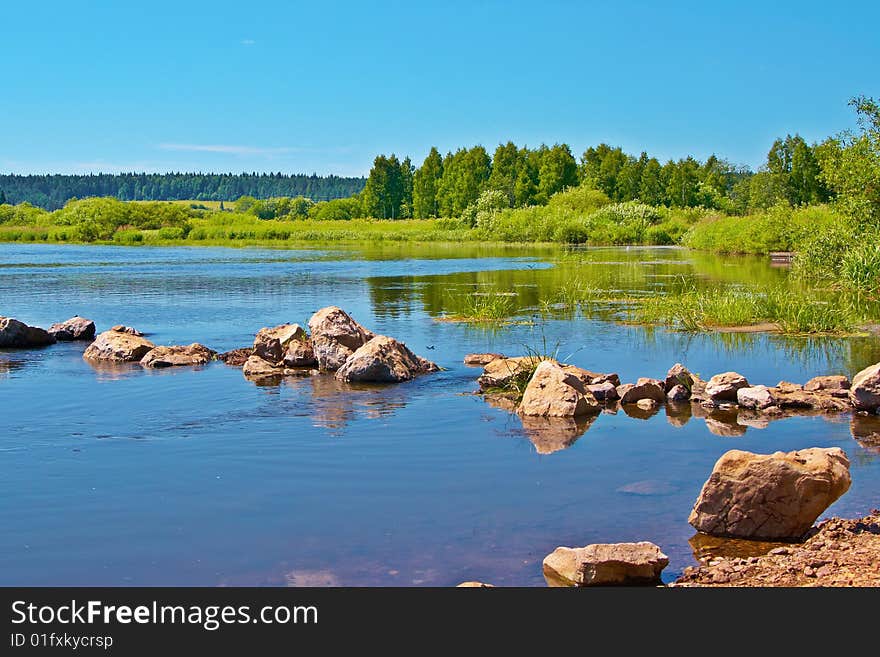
270,344
755,397
678,393
605,564
643,389
500,372
678,375
75,328
553,392
118,346
865,390
19,335
790,395
122,328
481,360
591,378
335,337
257,368
300,354
383,360
723,387
647,404
605,391
770,496
178,356
474,585
236,357
835,385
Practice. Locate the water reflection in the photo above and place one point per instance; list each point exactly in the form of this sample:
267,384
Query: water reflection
707,547
9,364
866,431
552,434
107,370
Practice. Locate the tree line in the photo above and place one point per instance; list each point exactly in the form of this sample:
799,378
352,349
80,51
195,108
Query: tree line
53,191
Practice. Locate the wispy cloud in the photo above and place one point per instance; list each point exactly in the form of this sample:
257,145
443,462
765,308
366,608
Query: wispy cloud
247,42
226,148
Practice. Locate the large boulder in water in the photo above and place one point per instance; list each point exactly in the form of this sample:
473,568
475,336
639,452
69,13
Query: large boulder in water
335,337
75,328
179,356
605,564
14,333
864,393
300,354
678,375
383,360
118,346
271,343
553,392
644,388
770,496
236,357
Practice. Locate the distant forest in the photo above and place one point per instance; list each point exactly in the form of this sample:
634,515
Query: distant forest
53,191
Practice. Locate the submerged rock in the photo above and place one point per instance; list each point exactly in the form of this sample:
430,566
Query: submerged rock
770,496
270,344
14,333
481,359
383,360
865,390
335,337
118,346
236,357
644,388
178,356
75,328
605,564
553,392
723,387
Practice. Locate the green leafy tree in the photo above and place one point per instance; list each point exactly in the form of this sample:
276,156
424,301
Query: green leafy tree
557,171
506,165
651,188
426,181
383,194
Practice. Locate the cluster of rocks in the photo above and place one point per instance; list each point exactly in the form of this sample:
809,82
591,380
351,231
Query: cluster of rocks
337,344
547,388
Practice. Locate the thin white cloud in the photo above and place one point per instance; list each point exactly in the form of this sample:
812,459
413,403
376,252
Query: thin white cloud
226,148
247,42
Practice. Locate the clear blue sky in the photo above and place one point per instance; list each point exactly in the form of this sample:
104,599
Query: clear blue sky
323,86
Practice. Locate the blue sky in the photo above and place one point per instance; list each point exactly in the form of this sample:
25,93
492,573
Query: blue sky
325,86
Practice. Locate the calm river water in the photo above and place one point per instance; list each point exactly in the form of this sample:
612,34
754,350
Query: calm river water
200,477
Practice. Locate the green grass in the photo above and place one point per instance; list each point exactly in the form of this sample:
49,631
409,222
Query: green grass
482,307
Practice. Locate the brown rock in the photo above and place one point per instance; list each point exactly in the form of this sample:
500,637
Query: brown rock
236,357
605,564
755,397
335,337
75,328
122,328
383,360
644,388
603,391
481,360
865,390
835,385
501,371
770,496
178,356
19,335
118,346
270,344
300,354
591,378
678,375
553,392
723,387
678,393
257,368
